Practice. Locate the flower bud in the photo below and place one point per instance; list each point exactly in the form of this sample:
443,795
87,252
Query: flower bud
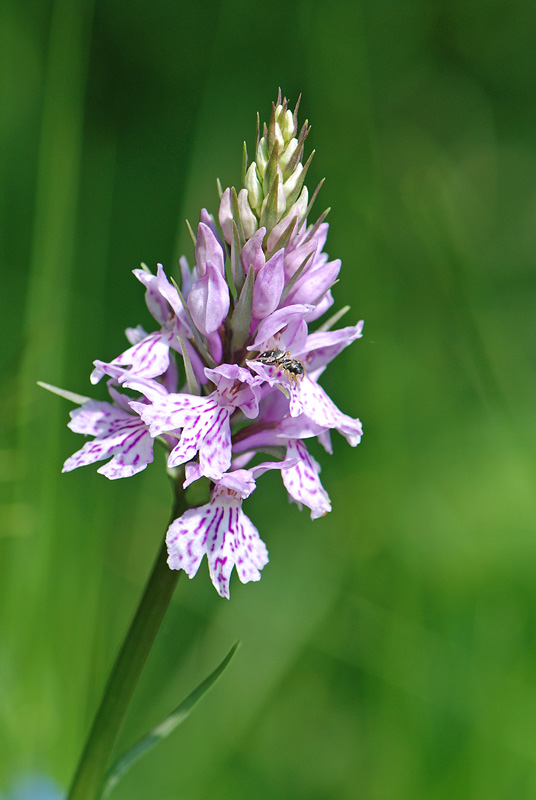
207,249
269,284
278,136
208,301
262,156
291,183
247,217
285,157
274,205
286,122
254,188
225,215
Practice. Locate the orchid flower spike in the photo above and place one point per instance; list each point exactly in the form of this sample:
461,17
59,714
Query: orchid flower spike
234,362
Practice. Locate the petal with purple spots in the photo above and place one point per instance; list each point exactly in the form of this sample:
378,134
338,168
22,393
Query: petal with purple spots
302,481
310,399
222,531
147,359
118,435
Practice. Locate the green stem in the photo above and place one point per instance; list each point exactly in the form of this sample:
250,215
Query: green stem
88,780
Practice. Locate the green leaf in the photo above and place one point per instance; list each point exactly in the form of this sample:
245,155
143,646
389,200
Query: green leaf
295,278
191,380
124,762
238,273
241,319
72,396
334,319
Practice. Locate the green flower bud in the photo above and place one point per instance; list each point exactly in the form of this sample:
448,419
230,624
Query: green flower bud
262,156
291,183
278,137
286,122
274,205
253,185
289,151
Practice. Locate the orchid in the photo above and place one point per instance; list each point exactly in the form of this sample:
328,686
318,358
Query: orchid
200,383
231,371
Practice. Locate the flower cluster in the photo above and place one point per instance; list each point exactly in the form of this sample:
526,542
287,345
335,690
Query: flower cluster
232,369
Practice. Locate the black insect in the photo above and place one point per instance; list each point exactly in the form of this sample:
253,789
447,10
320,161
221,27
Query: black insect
293,367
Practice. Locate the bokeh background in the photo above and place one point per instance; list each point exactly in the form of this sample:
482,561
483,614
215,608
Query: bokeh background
389,651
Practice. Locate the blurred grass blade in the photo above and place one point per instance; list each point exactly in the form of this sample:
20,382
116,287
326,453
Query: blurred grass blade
178,715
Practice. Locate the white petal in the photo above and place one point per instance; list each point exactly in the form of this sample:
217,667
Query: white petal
302,481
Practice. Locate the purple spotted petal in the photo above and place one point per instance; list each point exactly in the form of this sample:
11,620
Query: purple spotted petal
208,301
147,359
222,531
118,435
302,481
236,388
204,426
173,412
215,449
310,399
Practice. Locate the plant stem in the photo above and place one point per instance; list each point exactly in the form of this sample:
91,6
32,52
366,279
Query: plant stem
89,777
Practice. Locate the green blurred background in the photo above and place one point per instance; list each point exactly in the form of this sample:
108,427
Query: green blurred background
389,651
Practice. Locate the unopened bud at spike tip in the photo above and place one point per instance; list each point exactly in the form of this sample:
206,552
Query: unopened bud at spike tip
286,155
254,188
287,125
262,156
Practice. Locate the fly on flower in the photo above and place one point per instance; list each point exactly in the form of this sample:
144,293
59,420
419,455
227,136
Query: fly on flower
260,283
292,367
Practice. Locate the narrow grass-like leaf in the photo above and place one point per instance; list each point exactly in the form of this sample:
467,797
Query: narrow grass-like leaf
328,324
284,238
191,380
237,219
190,231
241,319
162,731
313,229
237,268
244,162
72,396
295,278
293,196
